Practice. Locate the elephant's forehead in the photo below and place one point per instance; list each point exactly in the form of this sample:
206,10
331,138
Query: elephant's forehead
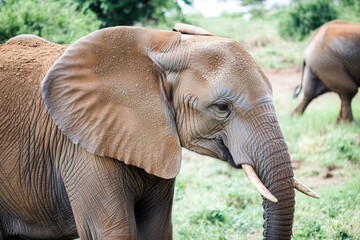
224,68
234,72
226,62
246,82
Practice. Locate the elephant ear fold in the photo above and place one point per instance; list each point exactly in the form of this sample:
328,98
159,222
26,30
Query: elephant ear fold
107,95
190,29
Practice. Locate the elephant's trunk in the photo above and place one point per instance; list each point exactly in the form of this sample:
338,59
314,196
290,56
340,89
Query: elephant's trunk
273,167
266,147
278,178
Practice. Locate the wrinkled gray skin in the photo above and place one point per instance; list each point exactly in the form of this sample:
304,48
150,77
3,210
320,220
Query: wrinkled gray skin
332,63
90,143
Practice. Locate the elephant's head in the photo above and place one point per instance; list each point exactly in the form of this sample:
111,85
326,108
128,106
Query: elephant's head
139,95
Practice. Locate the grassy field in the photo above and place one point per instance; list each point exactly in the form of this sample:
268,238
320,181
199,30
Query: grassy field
214,201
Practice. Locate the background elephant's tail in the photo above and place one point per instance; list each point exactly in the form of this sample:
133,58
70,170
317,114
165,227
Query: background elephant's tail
298,88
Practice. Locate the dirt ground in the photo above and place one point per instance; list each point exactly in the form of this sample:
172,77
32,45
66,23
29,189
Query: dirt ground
284,80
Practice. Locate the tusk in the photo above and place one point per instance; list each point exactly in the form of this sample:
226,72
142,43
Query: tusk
253,178
304,189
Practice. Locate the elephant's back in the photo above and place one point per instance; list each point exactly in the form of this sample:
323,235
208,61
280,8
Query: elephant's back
336,42
341,29
336,30
343,40
24,61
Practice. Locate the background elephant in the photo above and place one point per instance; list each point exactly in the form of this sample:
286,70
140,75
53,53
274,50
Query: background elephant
95,153
332,63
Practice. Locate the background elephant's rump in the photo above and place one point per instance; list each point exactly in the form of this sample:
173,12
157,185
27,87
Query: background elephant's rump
331,63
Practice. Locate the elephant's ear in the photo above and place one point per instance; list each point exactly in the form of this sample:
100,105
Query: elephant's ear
107,95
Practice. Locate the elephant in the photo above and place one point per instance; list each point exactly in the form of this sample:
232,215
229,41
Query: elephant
91,133
332,63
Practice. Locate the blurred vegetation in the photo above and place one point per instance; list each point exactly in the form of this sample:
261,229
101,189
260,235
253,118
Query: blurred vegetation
302,17
61,21
252,2
277,37
349,10
299,20
115,12
64,21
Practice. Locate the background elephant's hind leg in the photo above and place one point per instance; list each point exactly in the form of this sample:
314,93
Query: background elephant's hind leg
299,110
340,82
313,88
345,114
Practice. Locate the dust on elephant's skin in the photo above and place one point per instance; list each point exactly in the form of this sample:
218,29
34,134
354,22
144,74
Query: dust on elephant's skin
91,133
332,63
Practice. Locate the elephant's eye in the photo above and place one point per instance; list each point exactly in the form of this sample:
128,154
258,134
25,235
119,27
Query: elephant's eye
222,106
221,109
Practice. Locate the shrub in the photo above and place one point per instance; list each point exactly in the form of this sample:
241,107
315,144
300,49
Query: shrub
299,20
58,21
130,12
349,10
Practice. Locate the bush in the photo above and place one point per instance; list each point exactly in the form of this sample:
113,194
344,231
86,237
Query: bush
130,12
349,10
299,20
58,21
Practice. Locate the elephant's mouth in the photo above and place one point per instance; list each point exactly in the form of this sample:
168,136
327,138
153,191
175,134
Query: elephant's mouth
226,155
213,147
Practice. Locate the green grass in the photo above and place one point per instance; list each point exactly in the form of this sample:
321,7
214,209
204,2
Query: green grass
215,201
316,132
335,216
